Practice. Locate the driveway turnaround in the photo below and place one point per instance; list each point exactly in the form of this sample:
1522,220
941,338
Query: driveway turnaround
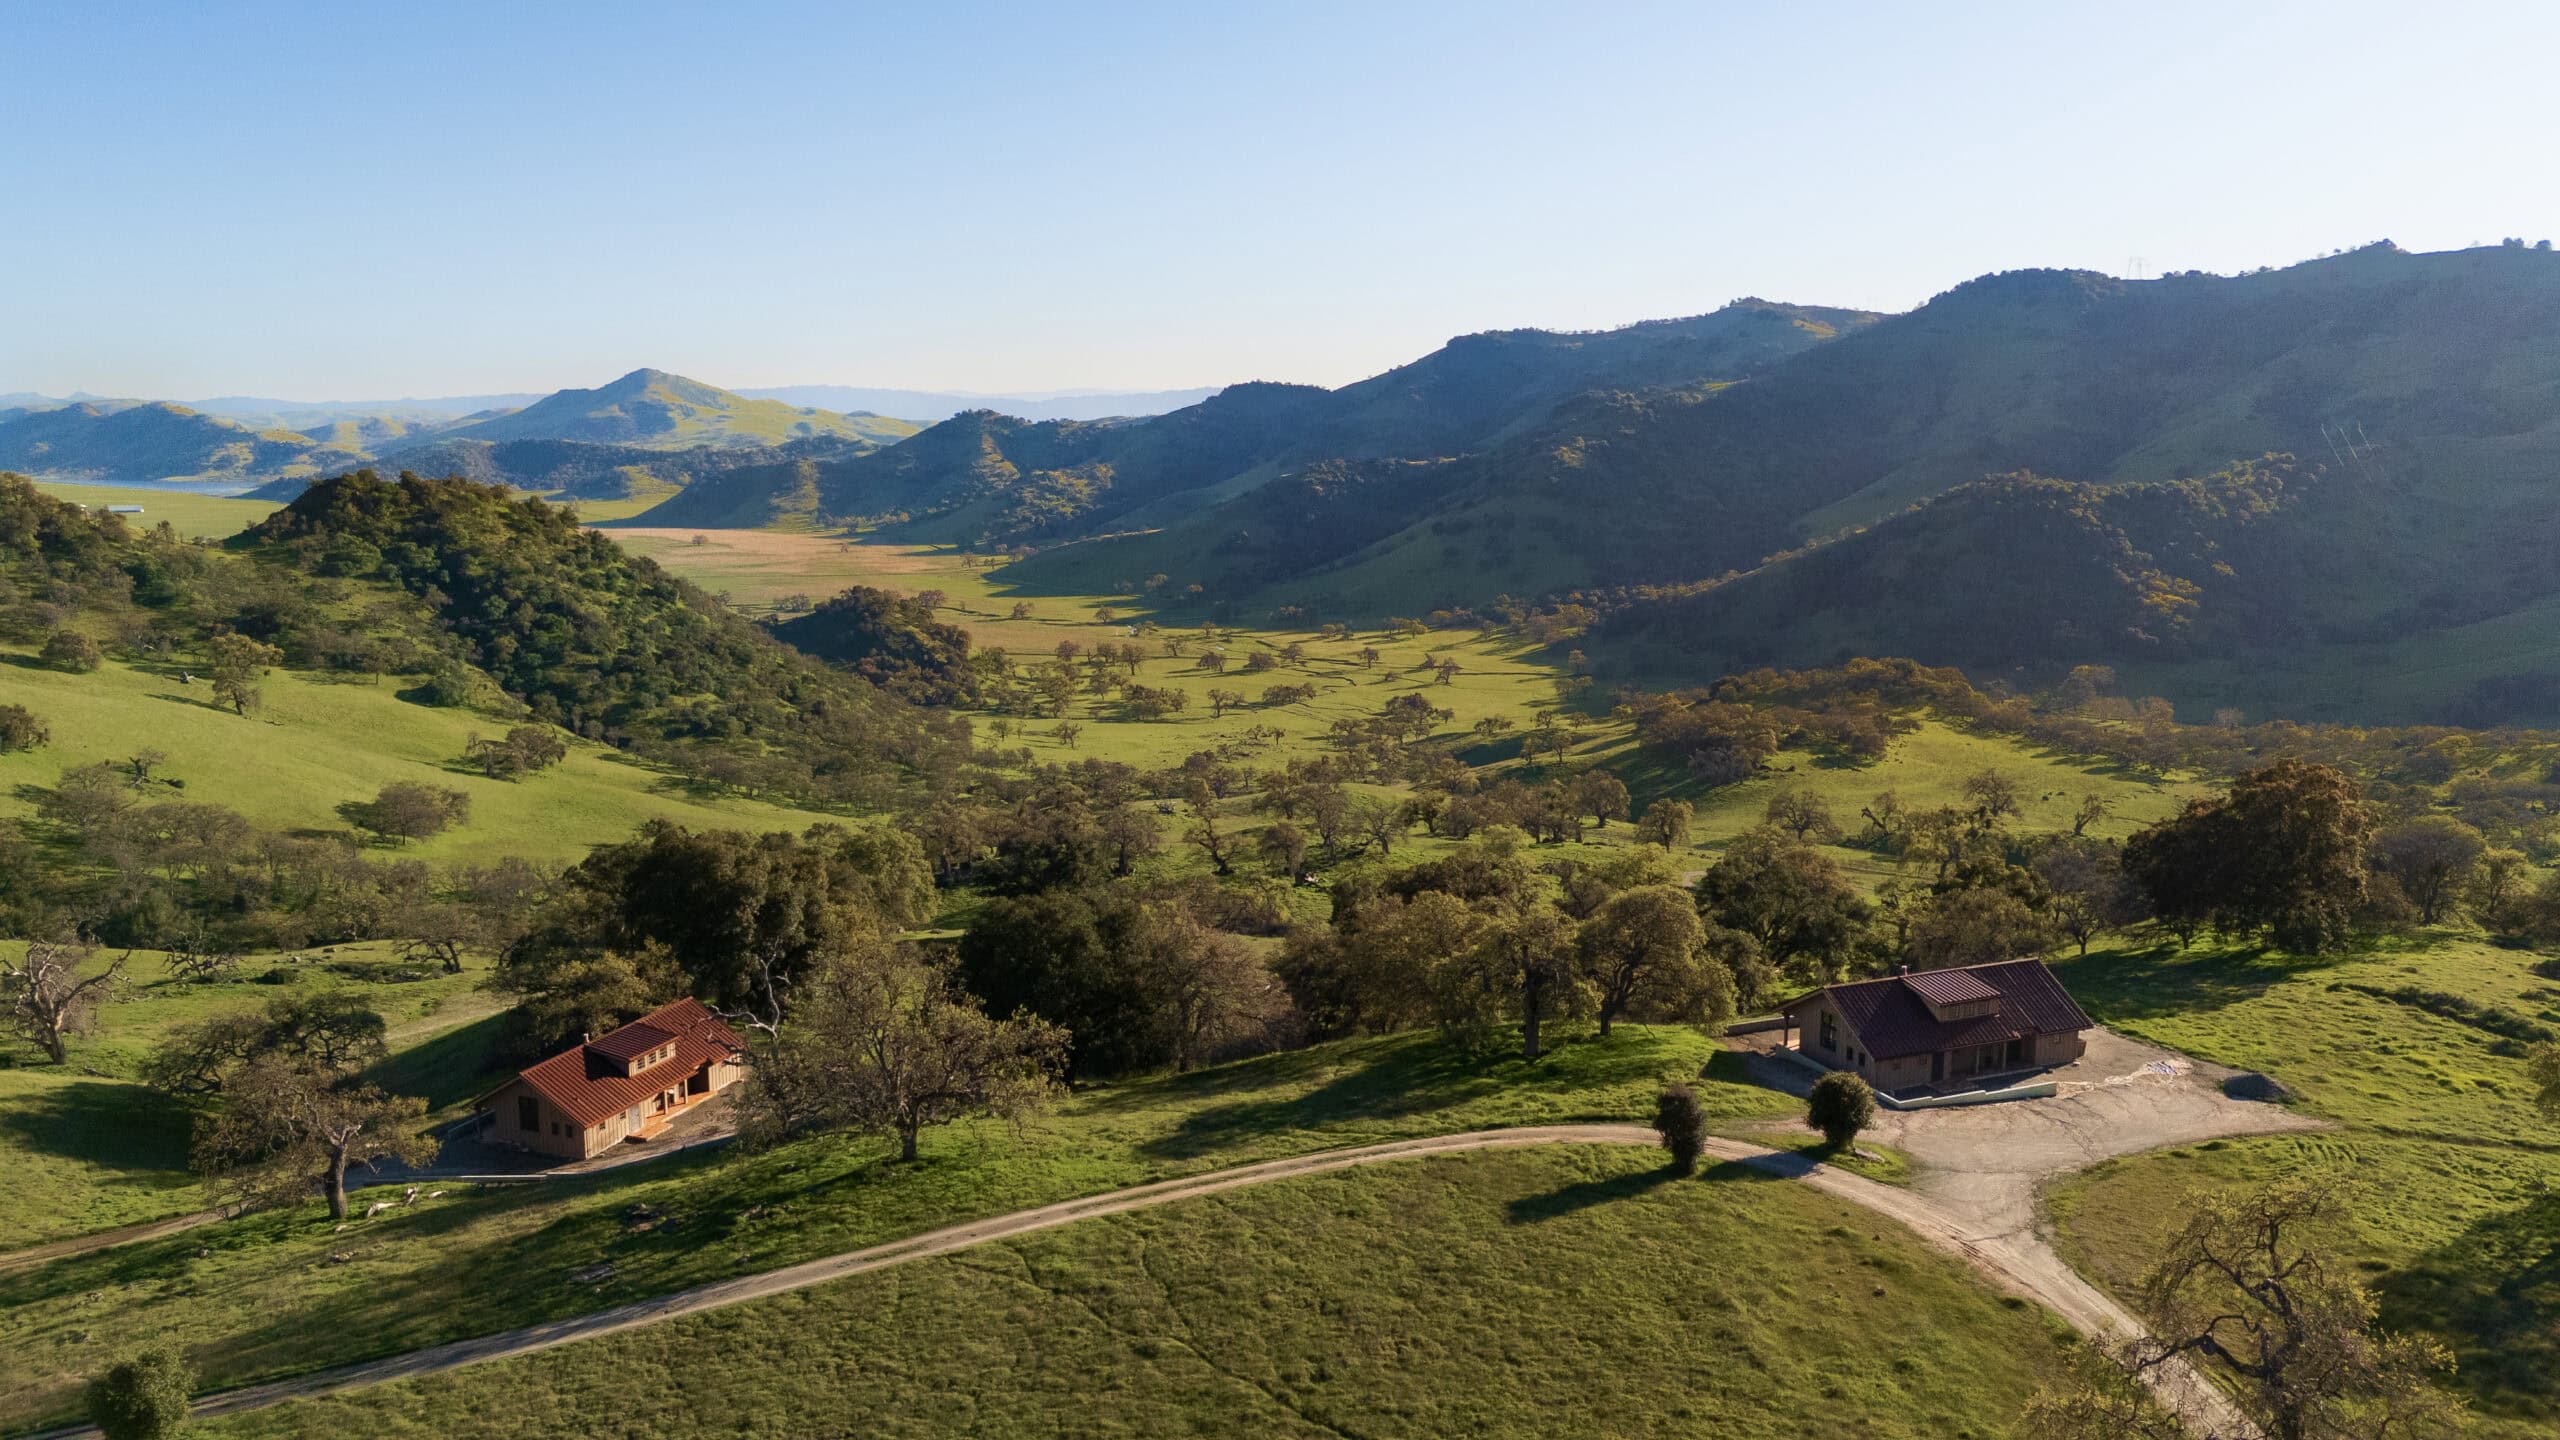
2019,1262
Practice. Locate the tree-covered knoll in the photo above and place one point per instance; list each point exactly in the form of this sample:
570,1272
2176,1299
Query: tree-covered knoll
890,640
602,644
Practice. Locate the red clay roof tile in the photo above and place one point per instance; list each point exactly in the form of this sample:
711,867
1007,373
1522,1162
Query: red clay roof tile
588,1082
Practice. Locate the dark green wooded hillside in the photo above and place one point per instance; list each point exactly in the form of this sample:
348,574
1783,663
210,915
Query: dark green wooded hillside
2399,573
890,640
2017,570
2444,366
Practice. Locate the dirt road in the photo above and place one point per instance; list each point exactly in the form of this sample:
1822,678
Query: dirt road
2023,1264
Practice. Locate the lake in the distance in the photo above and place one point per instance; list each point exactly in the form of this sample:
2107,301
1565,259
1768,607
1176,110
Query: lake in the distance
220,489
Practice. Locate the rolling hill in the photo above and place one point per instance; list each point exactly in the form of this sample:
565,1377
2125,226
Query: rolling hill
654,409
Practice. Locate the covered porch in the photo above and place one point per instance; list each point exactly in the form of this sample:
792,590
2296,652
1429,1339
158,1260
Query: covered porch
668,1105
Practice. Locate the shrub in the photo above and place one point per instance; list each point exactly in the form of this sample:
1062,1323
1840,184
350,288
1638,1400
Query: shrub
20,729
1682,1123
1840,1107
144,1398
447,688
70,650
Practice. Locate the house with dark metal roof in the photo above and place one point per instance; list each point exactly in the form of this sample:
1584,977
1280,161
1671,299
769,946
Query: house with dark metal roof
1939,1029
628,1084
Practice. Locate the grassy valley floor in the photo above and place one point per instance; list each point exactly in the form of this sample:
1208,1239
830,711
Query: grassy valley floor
1523,1293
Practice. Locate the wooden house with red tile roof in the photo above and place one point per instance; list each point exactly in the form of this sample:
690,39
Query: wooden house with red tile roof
1940,1028
627,1084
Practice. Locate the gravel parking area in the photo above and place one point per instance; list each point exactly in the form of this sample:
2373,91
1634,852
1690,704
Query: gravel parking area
1986,1162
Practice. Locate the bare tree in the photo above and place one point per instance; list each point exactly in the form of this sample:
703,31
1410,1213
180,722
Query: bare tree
2093,808
48,1000
1666,822
1204,828
238,663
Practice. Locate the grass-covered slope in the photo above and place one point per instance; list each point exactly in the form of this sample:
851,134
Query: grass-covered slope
196,517
1530,1293
655,409
88,1147
318,742
2446,1171
261,1297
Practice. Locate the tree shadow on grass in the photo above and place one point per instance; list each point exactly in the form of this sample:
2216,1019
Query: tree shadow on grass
449,1068
1582,1195
1390,1081
2165,980
193,703
2492,1293
124,1127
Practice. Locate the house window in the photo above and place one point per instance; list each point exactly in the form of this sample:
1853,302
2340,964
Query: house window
1830,1032
528,1114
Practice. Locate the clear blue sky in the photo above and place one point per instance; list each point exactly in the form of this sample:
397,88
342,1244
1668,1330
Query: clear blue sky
361,201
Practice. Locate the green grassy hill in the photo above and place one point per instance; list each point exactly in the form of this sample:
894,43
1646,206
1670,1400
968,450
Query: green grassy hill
654,409
318,742
197,517
1528,1294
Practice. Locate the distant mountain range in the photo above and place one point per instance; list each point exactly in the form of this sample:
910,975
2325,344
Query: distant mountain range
155,442
986,478
2327,491
654,409
648,408
929,406
638,419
